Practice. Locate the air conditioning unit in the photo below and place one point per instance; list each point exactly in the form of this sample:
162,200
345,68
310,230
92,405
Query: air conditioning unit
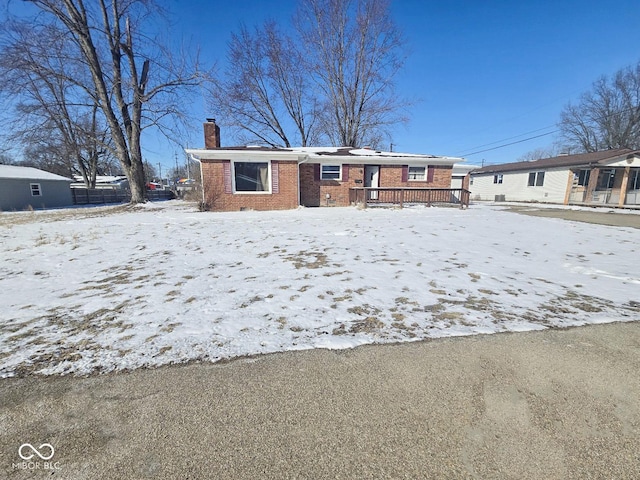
500,198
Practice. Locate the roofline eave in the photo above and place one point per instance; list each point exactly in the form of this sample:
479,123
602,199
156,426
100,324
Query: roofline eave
312,157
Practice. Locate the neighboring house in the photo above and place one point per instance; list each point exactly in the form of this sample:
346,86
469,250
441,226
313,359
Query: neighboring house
262,178
460,175
22,188
610,177
109,182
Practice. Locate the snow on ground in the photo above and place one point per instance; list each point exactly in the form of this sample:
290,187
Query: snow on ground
113,288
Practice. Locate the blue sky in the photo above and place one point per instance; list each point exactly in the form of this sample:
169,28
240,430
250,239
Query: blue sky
485,73
482,71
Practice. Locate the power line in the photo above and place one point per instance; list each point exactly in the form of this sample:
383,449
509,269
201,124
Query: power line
506,139
508,144
633,108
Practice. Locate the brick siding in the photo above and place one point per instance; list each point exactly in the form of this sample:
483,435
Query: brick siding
391,176
218,200
313,192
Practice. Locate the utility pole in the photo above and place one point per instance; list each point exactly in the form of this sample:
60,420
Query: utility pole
160,173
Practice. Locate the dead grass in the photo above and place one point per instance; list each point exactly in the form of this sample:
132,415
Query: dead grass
307,259
367,325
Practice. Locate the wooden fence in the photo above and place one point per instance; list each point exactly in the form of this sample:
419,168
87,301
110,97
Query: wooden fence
402,196
86,196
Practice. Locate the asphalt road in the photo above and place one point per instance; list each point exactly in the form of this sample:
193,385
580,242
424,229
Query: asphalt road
555,404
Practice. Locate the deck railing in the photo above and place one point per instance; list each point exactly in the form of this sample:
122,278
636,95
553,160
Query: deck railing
406,195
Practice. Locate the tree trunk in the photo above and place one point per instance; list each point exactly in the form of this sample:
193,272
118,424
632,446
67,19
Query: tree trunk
137,183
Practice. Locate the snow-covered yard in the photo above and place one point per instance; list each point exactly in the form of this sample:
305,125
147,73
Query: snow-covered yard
111,288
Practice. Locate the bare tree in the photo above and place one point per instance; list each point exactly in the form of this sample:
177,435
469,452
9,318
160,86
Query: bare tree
53,109
354,51
607,116
331,80
542,152
265,93
131,87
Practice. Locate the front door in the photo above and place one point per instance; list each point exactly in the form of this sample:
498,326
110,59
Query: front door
372,179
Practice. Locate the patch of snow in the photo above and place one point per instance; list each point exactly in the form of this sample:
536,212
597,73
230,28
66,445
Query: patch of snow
121,288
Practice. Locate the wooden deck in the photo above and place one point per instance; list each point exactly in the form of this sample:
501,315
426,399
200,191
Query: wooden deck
401,196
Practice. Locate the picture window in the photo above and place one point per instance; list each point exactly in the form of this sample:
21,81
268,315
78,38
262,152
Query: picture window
251,176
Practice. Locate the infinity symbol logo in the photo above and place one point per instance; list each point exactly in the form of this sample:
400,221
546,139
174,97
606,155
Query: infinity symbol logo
35,450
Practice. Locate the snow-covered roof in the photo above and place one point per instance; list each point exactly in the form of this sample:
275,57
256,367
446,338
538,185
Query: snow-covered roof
459,169
320,155
28,173
103,178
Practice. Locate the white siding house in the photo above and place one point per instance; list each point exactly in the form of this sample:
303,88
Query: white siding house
548,186
26,187
610,177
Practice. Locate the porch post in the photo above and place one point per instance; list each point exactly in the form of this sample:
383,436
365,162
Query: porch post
623,187
593,183
567,195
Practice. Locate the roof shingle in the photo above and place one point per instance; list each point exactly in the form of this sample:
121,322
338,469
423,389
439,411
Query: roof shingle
581,159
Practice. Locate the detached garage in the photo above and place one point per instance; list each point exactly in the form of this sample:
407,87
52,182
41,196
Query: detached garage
22,188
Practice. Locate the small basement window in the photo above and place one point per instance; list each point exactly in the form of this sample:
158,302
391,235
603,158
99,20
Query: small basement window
35,190
417,173
330,172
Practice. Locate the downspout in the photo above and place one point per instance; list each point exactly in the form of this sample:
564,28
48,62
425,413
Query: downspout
196,159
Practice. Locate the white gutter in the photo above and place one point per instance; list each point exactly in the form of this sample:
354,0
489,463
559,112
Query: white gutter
196,159
312,157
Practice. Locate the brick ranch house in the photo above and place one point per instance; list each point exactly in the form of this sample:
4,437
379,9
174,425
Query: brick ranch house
264,178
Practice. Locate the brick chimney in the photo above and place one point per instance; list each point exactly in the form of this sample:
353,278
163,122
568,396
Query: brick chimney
211,134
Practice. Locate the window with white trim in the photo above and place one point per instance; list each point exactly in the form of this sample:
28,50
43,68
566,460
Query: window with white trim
36,191
330,172
417,173
251,177
536,179
497,178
